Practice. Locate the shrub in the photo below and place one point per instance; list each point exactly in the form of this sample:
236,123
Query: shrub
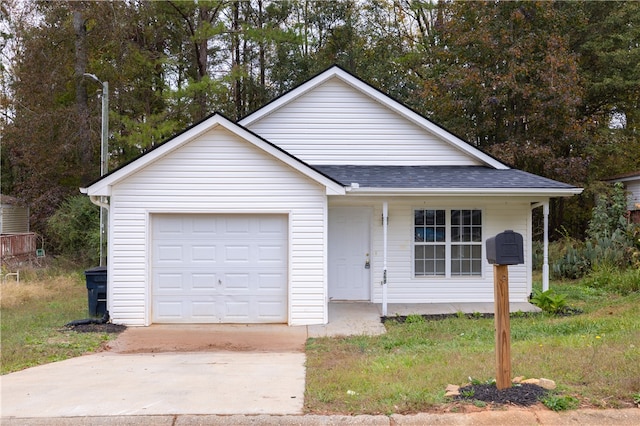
549,301
75,229
612,279
612,241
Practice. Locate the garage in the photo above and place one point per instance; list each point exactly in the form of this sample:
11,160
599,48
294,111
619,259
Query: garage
210,268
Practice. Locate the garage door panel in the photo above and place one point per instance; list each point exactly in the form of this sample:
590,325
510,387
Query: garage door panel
168,310
271,254
168,281
270,282
204,310
237,254
202,226
204,281
237,281
203,253
219,268
243,309
271,310
237,226
169,253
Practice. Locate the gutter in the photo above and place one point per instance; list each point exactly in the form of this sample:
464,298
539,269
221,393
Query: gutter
97,200
355,189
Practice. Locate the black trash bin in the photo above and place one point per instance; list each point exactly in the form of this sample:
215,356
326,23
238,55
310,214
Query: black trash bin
97,290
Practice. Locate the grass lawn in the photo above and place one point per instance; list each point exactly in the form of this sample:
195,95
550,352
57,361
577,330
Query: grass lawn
593,356
33,314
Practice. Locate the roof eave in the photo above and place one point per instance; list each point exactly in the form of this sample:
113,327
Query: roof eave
505,192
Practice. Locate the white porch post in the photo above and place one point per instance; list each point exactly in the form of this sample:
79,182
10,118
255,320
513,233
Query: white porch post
385,220
545,255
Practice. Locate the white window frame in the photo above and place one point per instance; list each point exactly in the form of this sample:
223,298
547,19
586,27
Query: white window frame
448,243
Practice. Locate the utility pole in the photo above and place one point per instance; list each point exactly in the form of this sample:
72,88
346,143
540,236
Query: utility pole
104,163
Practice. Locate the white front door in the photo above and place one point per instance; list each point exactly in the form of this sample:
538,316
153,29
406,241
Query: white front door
209,268
349,253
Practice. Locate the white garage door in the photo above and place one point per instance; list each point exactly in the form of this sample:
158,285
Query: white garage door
219,268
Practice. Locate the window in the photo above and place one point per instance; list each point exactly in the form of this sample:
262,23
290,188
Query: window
430,237
447,244
466,242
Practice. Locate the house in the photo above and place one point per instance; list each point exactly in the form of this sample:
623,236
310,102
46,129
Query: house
333,191
631,182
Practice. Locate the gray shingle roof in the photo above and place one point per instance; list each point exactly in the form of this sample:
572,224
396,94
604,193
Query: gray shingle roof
437,177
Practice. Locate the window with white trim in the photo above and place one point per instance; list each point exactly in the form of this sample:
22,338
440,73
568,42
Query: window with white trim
447,242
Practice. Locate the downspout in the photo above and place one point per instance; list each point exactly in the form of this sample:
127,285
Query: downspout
100,202
385,223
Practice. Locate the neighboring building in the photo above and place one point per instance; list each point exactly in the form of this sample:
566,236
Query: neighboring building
15,239
631,182
317,196
14,216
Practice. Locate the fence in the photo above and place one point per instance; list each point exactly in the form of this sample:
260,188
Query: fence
18,245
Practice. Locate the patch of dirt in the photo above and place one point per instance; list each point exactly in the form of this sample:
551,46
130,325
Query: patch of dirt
97,328
210,337
524,394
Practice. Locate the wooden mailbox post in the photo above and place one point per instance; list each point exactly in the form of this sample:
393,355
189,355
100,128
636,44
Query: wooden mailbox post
504,249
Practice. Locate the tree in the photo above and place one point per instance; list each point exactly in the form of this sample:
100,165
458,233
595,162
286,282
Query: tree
502,75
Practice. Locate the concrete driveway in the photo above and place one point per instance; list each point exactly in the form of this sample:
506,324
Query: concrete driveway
205,380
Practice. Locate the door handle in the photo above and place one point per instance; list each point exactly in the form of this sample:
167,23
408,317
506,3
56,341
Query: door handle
367,264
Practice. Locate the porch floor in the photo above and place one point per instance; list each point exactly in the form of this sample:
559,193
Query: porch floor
357,318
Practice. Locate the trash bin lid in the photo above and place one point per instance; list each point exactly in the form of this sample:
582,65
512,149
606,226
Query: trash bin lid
96,270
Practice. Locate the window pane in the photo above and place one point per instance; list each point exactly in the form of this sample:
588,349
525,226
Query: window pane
419,235
419,267
465,267
440,217
428,268
419,252
476,266
476,252
440,267
419,217
455,267
440,252
466,217
440,234
455,234
430,217
476,234
428,252
476,217
455,217
429,235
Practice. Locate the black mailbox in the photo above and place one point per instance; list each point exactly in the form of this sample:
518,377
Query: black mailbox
505,249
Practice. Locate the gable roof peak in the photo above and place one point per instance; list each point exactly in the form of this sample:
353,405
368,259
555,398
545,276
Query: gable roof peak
376,95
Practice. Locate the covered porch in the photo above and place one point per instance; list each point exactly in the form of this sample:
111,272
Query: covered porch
364,318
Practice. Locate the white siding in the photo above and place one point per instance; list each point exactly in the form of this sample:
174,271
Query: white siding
633,187
337,124
216,173
498,215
